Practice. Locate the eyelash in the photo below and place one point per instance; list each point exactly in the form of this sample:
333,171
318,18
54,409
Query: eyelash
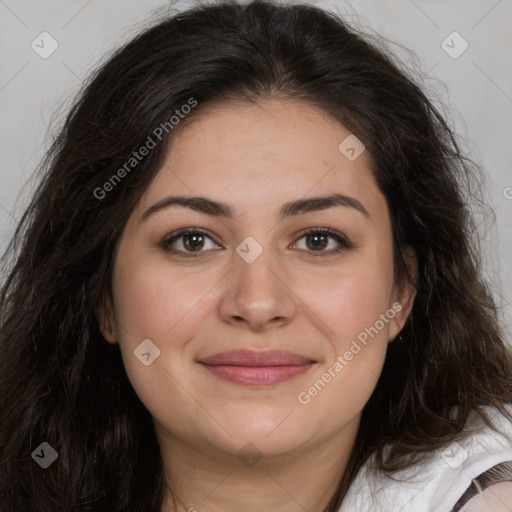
340,239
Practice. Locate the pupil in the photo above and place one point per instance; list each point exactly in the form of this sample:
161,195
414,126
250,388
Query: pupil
195,241
193,244
316,237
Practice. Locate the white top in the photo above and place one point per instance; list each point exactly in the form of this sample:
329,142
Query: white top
437,484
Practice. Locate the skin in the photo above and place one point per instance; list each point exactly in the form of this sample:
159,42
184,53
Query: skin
255,158
496,498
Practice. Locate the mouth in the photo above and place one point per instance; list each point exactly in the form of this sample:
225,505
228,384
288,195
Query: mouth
257,368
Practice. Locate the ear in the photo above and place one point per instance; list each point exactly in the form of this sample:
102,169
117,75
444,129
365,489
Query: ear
105,315
404,293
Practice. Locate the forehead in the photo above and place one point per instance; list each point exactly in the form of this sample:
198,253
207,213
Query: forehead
261,155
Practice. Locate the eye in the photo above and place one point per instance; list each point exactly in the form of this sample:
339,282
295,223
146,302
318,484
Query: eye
193,241
318,239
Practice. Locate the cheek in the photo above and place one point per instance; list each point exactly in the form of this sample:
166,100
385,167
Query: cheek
153,301
351,306
351,300
351,310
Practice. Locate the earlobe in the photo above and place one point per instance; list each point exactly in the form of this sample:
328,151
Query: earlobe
404,293
105,317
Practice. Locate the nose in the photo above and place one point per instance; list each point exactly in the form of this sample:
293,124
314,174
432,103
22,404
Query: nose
257,295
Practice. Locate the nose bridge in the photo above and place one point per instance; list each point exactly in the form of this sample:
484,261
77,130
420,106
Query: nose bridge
258,277
256,291
255,276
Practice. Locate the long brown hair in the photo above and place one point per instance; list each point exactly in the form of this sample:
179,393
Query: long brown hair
61,383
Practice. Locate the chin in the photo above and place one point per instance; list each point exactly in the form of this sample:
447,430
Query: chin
272,432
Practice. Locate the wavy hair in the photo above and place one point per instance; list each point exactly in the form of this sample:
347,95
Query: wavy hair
61,383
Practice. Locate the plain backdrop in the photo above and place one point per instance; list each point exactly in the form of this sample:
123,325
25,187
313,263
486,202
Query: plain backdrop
473,88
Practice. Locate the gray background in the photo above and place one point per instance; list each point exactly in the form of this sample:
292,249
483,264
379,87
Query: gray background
474,90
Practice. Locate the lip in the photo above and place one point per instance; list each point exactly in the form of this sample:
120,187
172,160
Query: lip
257,368
244,357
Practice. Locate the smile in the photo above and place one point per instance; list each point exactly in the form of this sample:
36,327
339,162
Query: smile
256,368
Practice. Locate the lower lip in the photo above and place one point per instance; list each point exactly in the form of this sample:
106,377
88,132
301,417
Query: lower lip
258,375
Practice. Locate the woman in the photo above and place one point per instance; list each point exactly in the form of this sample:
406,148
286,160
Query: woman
249,280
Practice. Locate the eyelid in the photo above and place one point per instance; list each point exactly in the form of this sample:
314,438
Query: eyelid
341,239
324,230
168,240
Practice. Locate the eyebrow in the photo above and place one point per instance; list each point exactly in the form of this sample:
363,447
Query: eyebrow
216,209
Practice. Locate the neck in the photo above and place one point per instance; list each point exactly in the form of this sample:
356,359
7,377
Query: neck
204,480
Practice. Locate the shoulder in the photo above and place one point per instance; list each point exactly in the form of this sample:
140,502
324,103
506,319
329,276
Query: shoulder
478,462
496,498
439,482
488,491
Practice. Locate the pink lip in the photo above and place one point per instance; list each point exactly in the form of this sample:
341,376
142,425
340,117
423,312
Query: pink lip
257,368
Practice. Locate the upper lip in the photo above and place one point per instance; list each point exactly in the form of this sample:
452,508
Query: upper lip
243,357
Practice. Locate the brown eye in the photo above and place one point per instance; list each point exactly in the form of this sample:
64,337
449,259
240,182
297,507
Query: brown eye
193,242
186,242
190,243
318,239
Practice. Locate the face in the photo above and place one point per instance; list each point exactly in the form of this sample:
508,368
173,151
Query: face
263,327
